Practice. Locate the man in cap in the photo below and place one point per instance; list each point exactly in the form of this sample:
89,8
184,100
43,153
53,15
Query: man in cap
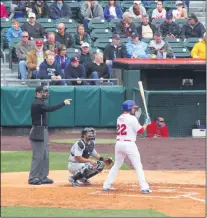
35,58
75,71
170,29
126,27
115,49
193,28
137,10
39,137
34,29
136,48
159,47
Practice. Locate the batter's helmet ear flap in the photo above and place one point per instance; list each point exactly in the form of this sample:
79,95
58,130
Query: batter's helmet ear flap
128,105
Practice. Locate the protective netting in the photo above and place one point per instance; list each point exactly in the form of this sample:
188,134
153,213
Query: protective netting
181,109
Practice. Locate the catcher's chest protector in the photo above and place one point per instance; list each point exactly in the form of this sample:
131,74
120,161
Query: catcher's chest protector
88,150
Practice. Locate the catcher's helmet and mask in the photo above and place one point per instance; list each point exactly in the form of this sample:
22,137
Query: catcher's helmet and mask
44,91
90,134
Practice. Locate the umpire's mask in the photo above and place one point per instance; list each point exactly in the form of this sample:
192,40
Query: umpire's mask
45,93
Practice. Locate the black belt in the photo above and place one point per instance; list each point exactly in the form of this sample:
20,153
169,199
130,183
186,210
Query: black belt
126,140
46,127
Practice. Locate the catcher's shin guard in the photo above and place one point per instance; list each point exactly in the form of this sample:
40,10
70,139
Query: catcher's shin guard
96,170
83,172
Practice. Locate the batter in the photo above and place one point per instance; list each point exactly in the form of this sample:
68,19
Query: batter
127,129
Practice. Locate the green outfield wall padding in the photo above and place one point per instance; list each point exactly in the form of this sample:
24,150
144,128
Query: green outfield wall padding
15,106
65,116
111,102
91,106
87,106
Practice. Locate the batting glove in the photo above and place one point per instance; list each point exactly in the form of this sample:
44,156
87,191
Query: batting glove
148,121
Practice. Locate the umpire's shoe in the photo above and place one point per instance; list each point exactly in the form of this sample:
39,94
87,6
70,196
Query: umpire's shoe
73,182
35,181
47,181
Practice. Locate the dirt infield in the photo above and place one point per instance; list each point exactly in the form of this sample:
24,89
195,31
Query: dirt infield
185,197
156,154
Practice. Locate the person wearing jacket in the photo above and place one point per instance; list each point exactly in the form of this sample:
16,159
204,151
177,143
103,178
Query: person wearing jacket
115,49
48,70
14,32
126,27
75,71
81,36
51,44
146,29
158,47
34,29
40,8
91,10
199,49
61,60
112,11
59,9
136,48
137,10
193,28
3,11
170,29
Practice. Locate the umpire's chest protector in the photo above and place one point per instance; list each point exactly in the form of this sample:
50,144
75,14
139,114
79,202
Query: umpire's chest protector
88,149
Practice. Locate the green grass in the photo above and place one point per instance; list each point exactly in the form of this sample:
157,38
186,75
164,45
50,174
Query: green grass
21,161
71,141
59,212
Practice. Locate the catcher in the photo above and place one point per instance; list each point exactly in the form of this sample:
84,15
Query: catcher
80,164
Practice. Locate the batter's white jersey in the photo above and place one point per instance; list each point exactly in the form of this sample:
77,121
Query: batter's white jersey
127,127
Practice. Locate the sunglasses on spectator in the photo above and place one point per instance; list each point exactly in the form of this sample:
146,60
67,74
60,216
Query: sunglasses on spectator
25,36
64,49
161,121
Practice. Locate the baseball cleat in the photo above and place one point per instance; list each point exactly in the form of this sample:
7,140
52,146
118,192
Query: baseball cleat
73,182
109,189
146,191
85,181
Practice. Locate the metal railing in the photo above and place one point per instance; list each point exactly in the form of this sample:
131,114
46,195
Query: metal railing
38,82
4,66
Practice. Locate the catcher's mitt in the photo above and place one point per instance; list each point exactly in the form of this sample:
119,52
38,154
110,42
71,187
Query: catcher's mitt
109,162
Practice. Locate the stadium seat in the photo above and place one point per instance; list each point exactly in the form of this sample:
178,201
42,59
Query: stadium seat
71,30
126,5
149,12
153,5
124,40
181,22
190,42
51,29
137,21
157,22
169,5
112,24
5,22
98,24
101,43
181,52
22,20
12,46
4,42
72,52
75,7
146,40
44,20
100,33
175,43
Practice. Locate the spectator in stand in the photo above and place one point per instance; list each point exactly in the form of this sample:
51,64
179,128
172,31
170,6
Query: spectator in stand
135,48
199,49
64,37
170,29
146,29
34,29
22,49
51,44
159,12
157,129
98,69
193,28
59,9
62,60
20,9
48,70
126,27
81,36
35,58
14,32
180,12
3,11
115,49
112,10
159,48
75,71
40,8
85,57
91,10
137,10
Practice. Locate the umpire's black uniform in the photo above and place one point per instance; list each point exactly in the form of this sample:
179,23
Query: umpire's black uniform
40,159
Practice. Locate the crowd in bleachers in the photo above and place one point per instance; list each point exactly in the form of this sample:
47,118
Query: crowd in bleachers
63,39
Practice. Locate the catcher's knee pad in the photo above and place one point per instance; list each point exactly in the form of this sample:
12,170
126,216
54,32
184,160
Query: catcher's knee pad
83,172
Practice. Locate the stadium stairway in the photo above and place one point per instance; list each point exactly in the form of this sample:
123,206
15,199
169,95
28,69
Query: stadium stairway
199,8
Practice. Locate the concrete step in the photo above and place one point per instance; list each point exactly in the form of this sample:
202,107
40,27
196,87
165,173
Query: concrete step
9,75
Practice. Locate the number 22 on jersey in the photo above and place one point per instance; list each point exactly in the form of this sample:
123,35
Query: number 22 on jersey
121,129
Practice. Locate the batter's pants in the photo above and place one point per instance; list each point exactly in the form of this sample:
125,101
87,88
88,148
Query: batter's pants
40,159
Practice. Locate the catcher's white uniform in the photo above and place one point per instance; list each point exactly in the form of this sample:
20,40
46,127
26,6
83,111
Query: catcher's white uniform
127,130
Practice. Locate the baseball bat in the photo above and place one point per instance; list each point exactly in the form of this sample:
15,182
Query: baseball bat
141,89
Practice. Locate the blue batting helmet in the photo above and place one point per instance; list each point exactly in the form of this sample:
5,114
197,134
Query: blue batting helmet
128,105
